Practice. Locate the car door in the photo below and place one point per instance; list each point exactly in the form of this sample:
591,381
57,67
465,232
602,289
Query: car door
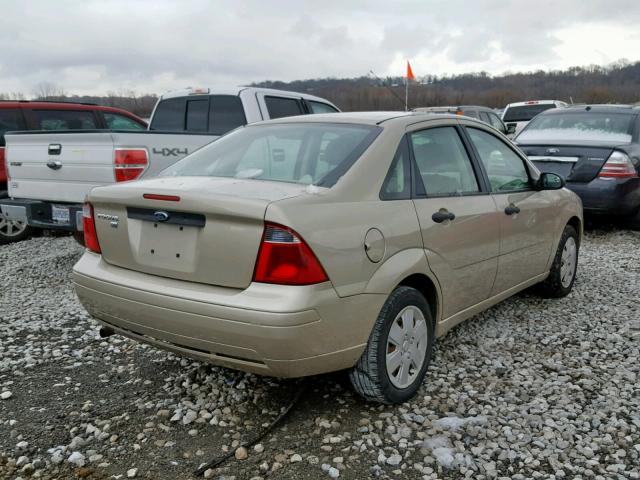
526,214
457,216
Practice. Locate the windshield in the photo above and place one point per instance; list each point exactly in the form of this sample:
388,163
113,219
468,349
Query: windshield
579,126
306,153
525,113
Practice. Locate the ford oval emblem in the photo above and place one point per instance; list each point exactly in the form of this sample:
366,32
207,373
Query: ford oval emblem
161,216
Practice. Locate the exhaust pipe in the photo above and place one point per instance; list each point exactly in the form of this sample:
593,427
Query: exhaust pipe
105,332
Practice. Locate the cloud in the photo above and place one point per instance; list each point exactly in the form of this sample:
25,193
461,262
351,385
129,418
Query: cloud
150,46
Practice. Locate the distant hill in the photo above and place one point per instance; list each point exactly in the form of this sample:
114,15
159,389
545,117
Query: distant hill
616,83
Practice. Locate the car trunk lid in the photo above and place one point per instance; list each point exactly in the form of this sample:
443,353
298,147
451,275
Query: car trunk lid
208,230
573,163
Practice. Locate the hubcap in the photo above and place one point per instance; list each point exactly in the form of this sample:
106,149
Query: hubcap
11,228
568,262
406,346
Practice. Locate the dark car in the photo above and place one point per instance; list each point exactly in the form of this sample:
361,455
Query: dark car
596,149
40,115
484,114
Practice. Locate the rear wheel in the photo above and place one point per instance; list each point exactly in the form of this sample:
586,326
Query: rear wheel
12,230
399,350
565,263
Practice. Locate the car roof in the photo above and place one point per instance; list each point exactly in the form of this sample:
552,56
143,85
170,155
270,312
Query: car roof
534,102
50,105
453,107
184,92
368,118
595,108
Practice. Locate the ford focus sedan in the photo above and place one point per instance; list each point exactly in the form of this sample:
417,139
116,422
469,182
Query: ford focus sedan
344,241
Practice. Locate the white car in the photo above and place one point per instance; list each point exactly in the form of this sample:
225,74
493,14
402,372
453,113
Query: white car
516,115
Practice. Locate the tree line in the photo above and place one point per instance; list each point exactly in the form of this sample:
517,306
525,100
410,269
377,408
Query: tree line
615,83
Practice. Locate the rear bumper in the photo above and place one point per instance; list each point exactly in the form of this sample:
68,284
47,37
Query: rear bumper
39,214
609,195
275,330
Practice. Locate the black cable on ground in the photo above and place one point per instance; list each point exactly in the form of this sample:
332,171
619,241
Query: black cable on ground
223,458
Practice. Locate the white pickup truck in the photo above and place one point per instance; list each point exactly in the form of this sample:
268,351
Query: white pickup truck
49,174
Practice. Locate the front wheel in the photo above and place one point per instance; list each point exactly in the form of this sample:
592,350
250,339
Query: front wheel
12,230
399,350
565,264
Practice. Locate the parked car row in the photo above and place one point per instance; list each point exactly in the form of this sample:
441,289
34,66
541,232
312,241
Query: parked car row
294,245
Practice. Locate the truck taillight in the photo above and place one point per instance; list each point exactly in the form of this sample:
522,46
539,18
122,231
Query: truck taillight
89,227
618,165
285,259
4,167
129,163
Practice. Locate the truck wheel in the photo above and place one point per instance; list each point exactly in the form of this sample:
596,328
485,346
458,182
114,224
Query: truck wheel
565,264
399,350
12,230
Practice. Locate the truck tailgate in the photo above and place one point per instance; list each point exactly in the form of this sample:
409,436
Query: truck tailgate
38,171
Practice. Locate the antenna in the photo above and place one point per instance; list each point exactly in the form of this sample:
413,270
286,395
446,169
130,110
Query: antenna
371,72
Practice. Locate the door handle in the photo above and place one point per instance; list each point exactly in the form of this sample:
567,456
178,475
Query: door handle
440,216
54,165
512,210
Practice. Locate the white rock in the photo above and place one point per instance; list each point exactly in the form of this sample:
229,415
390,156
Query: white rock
295,458
6,395
334,472
77,459
132,472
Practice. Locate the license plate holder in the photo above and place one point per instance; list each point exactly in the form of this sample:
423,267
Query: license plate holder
60,215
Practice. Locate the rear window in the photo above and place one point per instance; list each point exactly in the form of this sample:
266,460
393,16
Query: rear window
10,120
197,115
169,115
309,153
579,126
64,120
524,113
225,113
283,107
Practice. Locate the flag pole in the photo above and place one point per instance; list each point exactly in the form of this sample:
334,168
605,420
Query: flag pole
406,94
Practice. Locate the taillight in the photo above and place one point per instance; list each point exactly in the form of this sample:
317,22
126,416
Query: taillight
618,165
89,227
4,166
284,258
129,163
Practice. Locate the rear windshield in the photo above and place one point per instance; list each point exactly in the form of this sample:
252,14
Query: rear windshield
306,153
525,113
579,126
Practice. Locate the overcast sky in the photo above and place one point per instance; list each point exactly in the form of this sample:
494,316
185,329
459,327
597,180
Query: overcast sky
92,47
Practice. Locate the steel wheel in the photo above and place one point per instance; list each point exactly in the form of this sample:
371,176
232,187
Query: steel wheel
11,228
569,260
406,346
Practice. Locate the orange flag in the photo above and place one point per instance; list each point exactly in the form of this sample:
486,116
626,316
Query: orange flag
410,75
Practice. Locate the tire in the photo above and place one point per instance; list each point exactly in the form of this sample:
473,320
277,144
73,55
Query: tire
371,377
558,284
12,230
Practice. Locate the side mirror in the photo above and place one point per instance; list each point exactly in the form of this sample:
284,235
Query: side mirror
511,129
550,181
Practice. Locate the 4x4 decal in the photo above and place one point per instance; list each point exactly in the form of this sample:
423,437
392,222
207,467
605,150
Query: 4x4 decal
170,152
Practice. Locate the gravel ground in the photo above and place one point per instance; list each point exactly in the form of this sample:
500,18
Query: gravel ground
529,389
